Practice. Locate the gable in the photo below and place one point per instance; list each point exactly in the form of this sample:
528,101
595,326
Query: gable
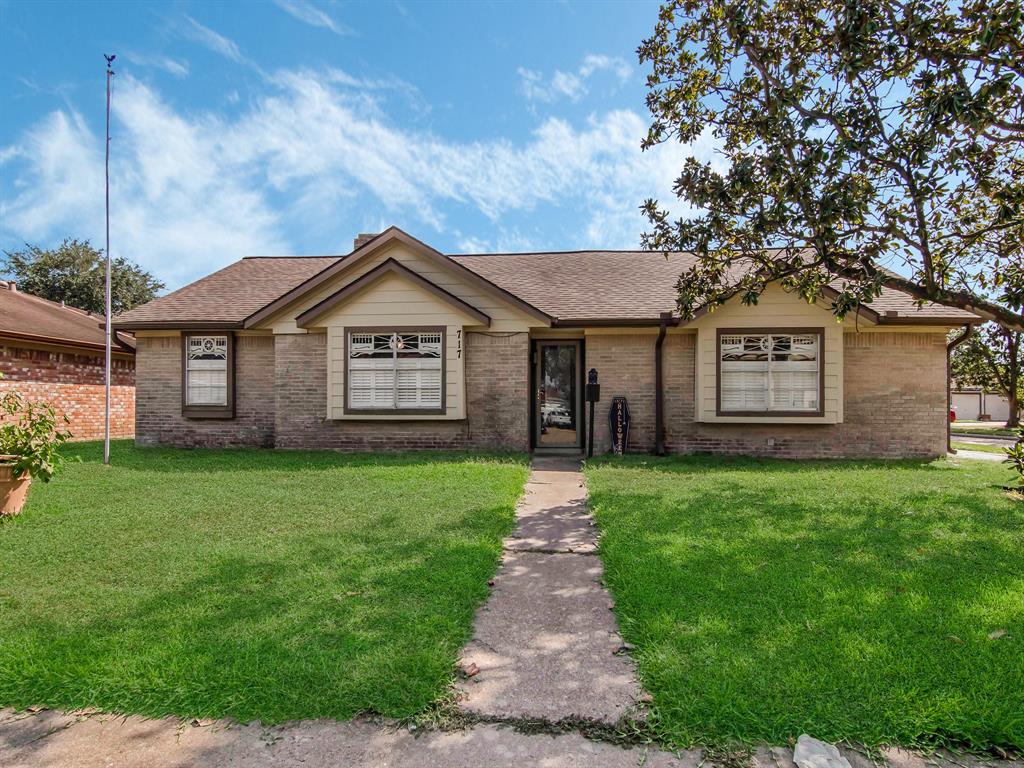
391,295
507,311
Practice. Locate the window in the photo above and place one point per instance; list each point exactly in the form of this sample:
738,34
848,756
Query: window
396,371
769,373
207,379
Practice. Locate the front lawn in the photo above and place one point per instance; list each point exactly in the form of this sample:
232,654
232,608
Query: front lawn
869,601
249,584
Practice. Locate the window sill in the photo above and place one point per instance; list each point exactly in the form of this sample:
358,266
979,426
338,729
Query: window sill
207,412
356,414
769,418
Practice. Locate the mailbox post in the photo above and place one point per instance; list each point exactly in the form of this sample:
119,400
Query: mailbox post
593,395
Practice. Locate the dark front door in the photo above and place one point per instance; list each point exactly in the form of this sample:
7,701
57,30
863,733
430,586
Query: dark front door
557,404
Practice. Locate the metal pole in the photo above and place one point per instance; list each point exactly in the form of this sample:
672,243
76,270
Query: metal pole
106,181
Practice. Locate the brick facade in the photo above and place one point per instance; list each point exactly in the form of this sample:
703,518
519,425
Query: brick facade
894,394
894,399
497,388
72,381
158,397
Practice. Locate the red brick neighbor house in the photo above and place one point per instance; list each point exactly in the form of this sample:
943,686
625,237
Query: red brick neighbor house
53,353
398,346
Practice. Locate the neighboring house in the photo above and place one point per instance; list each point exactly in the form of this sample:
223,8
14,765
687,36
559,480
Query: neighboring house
975,404
398,346
55,354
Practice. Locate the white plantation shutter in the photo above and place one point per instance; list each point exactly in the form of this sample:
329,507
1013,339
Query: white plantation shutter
745,387
395,371
371,384
769,372
206,370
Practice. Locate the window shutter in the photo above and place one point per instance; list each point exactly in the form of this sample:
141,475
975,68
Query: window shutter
395,371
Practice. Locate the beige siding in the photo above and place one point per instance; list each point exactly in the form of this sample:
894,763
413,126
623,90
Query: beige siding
394,301
776,309
504,316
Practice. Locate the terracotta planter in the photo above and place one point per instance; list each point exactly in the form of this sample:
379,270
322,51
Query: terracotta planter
13,490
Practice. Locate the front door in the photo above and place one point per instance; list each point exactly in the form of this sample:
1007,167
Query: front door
557,403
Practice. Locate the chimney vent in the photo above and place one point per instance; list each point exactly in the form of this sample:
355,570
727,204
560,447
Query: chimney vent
10,285
362,239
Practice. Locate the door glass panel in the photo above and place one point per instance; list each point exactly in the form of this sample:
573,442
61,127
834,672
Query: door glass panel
557,396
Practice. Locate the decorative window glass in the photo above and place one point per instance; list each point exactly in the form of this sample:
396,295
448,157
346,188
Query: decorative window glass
767,372
206,370
395,371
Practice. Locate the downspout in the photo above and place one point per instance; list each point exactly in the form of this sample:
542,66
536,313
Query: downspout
659,389
968,332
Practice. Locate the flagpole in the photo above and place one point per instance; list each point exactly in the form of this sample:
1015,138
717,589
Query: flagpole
106,181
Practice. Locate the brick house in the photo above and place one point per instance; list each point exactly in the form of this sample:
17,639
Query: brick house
53,353
398,346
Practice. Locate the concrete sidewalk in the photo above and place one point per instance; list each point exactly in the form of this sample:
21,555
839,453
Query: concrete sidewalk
545,643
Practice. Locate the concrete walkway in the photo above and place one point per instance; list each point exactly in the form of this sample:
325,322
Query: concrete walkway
60,740
545,643
977,455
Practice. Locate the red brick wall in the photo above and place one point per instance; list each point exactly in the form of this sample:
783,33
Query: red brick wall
497,386
72,382
158,397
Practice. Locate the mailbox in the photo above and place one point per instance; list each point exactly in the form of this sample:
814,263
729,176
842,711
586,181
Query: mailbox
593,393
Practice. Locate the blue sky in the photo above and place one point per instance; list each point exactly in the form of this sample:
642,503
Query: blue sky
287,126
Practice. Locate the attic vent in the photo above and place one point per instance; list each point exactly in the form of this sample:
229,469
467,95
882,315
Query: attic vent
363,239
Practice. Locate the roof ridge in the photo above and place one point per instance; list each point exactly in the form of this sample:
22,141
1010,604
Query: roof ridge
49,302
298,256
555,253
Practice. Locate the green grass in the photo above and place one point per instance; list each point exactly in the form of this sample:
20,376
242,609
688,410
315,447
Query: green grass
251,584
983,447
993,431
877,602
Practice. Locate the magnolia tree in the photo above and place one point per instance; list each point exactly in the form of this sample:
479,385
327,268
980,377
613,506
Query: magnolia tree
866,145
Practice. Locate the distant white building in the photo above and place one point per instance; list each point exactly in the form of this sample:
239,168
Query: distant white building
974,404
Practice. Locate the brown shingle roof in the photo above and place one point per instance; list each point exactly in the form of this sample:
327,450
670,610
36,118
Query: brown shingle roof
569,286
25,316
229,295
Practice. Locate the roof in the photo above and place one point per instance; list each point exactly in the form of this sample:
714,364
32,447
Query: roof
570,287
32,318
229,295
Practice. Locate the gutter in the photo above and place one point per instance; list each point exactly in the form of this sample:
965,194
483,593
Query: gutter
967,333
659,388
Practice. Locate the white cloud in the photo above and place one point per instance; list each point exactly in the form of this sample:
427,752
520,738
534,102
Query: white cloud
176,207
176,67
571,85
214,41
193,192
308,13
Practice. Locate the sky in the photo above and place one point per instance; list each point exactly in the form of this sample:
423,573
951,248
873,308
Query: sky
289,126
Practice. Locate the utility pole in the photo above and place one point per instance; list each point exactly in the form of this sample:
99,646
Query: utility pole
106,179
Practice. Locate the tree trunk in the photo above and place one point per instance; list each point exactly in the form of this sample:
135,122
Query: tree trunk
1013,369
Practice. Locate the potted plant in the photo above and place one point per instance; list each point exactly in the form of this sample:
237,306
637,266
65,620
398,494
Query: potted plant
30,436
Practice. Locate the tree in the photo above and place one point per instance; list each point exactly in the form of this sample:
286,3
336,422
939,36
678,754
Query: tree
993,359
857,137
75,273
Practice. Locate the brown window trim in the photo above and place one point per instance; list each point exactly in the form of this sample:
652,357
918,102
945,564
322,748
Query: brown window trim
819,332
349,411
208,411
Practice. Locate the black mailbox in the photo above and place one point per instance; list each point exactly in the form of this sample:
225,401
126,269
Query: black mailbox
593,394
